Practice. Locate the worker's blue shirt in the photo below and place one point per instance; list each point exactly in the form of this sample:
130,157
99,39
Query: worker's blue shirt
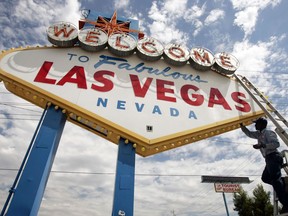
266,137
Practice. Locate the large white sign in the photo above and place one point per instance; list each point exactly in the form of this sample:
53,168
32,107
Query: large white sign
156,105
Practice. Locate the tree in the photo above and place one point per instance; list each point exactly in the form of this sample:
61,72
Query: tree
243,203
262,204
258,205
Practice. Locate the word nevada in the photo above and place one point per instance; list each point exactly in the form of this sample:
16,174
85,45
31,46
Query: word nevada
93,39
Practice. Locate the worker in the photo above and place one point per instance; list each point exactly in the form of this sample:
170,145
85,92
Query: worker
268,144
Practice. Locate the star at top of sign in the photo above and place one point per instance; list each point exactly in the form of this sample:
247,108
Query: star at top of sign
113,25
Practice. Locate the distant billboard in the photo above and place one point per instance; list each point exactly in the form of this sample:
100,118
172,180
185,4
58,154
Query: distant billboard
157,106
227,187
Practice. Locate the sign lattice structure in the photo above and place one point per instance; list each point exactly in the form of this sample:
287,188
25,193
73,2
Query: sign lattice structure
154,104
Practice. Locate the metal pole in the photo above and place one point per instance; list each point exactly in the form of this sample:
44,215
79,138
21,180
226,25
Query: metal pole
12,189
123,203
226,207
30,189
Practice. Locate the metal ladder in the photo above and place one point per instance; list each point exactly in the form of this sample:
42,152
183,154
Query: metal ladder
270,111
275,117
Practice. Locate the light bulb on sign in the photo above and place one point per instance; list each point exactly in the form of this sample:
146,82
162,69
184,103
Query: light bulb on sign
149,49
62,34
92,39
176,54
122,44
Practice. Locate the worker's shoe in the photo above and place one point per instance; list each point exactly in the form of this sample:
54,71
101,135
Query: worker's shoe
284,210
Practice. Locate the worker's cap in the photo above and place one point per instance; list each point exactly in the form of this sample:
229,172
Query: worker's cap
261,121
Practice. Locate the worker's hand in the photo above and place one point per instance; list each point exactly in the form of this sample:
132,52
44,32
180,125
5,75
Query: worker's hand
258,146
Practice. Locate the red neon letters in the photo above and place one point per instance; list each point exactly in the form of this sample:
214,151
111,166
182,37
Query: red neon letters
165,90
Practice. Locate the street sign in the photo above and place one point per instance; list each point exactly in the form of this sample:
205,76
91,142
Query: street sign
227,187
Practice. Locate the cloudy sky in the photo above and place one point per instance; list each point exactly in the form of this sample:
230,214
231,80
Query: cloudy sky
83,174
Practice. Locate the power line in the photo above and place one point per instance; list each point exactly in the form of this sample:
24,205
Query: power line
18,107
20,119
113,173
17,114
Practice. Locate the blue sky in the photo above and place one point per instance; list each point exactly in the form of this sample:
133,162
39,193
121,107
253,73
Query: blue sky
255,31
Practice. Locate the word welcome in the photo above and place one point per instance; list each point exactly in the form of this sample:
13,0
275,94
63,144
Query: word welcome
94,39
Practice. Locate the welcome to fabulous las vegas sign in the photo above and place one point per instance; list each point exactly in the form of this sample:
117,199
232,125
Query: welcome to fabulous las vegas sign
108,82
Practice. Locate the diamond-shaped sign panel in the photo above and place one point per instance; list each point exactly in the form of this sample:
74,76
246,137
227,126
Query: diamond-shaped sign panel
155,105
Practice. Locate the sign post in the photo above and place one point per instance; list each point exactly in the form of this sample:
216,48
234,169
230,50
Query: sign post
31,186
226,188
225,203
124,182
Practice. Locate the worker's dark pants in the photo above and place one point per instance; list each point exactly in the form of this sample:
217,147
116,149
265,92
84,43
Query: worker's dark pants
272,175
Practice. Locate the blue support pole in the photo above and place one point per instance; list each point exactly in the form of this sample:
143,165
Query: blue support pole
225,203
31,186
123,203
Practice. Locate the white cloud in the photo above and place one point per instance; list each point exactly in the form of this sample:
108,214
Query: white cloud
29,11
214,15
248,11
156,14
247,19
168,15
194,12
175,7
121,4
167,34
242,4
28,20
252,57
193,15
163,26
261,55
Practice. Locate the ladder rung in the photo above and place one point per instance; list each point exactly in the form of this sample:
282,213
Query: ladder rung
277,119
272,110
282,132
